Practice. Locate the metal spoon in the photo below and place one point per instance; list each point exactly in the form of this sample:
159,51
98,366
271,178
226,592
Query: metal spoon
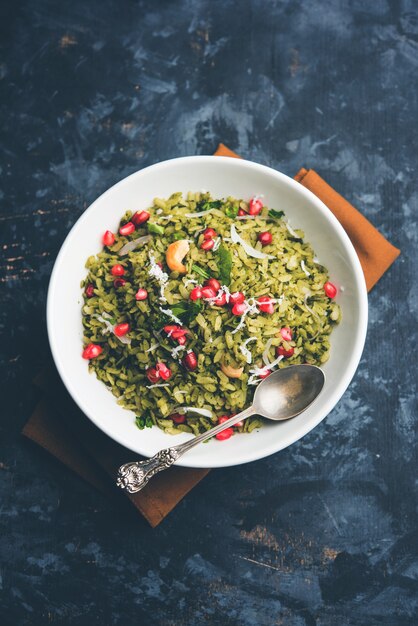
281,396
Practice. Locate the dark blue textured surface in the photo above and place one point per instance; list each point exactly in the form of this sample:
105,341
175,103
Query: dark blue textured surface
325,532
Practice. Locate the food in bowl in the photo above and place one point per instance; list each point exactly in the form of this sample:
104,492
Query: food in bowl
194,301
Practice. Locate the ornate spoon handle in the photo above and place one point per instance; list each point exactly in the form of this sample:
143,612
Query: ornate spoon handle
135,475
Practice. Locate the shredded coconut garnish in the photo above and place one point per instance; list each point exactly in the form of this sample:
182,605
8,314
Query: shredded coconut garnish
194,409
222,290
304,269
175,351
159,211
244,350
158,385
156,272
217,244
256,254
315,259
190,281
154,346
166,217
110,328
199,214
250,310
171,315
291,231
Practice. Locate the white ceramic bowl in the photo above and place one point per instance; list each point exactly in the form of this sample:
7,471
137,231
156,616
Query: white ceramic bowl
222,176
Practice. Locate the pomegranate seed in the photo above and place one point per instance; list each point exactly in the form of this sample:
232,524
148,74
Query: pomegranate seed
264,373
140,217
190,361
281,351
91,351
177,418
108,238
89,290
209,233
181,340
265,304
236,298
239,309
117,270
330,290
220,300
212,282
163,370
141,294
127,229
153,375
255,206
207,244
266,238
121,329
119,282
195,293
208,292
170,328
241,212
225,434
223,418
286,333
160,265
181,332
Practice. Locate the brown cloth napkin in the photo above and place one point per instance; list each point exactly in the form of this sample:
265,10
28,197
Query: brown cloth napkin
70,436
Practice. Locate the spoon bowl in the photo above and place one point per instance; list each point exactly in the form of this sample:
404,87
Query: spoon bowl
288,391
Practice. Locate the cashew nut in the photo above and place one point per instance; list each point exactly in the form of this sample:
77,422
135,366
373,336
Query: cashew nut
176,252
231,372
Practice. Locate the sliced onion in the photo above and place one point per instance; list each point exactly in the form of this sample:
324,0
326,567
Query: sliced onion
158,385
304,268
291,231
131,245
194,409
200,214
266,351
256,254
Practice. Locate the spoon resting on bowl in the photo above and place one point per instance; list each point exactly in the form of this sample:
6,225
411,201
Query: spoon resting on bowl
281,396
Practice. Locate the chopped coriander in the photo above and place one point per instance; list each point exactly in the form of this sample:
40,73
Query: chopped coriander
143,421
231,210
205,205
155,228
274,213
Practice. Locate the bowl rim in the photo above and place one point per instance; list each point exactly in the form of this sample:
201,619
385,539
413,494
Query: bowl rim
360,284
